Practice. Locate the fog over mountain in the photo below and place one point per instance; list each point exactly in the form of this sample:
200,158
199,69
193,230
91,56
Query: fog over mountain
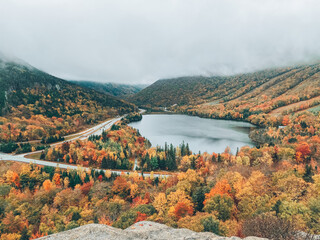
140,41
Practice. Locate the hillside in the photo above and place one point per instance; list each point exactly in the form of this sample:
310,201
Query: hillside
114,89
23,84
199,89
36,102
140,230
261,91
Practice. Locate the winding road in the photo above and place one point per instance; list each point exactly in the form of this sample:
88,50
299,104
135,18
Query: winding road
98,129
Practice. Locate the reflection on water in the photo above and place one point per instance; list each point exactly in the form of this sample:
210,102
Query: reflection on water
205,135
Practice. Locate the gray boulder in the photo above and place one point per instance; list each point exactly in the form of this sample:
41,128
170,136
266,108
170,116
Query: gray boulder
144,230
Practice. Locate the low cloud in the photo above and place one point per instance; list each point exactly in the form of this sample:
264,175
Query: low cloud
140,41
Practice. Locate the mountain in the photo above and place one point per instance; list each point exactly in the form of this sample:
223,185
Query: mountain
23,84
266,90
26,94
198,89
118,90
140,230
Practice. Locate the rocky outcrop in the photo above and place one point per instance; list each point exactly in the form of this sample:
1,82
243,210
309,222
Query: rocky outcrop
141,230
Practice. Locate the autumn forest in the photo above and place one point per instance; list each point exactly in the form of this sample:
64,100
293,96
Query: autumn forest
120,178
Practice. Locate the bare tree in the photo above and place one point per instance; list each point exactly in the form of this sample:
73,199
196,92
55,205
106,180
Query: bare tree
269,226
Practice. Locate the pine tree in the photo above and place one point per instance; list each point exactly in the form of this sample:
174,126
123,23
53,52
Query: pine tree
67,158
43,155
104,163
219,158
276,207
198,197
193,163
154,163
308,174
24,234
171,158
183,149
104,136
87,178
187,149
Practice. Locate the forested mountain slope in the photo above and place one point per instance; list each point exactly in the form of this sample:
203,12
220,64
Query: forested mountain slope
262,98
267,89
36,104
118,90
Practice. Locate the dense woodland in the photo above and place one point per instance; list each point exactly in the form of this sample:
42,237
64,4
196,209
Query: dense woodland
272,188
297,142
276,182
237,97
35,105
226,194
115,149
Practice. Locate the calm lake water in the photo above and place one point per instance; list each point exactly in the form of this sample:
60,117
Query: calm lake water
205,135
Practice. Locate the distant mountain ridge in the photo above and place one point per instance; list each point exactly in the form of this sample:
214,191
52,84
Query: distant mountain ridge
35,105
267,90
20,83
198,89
115,89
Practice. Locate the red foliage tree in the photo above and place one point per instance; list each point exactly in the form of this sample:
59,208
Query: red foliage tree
181,210
141,217
304,149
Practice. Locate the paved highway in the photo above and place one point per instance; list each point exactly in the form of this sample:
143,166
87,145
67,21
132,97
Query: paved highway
21,158
82,136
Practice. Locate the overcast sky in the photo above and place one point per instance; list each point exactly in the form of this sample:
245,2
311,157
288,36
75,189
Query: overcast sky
140,41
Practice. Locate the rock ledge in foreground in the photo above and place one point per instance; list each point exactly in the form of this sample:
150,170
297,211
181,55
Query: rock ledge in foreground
142,230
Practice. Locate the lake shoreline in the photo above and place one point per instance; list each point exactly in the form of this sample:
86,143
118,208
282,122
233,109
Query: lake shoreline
203,134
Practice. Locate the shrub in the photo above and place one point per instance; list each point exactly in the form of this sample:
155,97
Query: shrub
211,225
269,226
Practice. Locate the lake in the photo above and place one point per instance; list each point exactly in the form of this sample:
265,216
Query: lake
202,134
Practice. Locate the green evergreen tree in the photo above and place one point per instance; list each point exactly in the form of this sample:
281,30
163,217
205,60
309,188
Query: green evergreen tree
154,163
187,149
308,173
104,163
24,234
211,225
219,158
198,197
276,207
87,178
